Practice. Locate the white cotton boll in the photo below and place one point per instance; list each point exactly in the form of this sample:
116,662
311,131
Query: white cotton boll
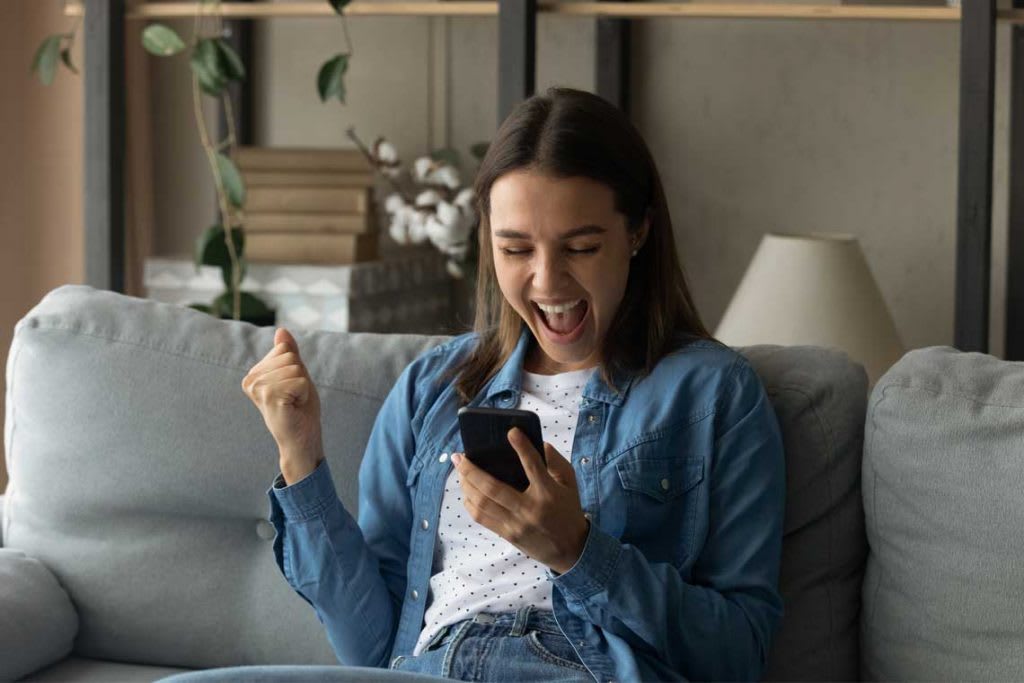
461,228
391,171
464,199
387,153
437,231
399,227
427,199
448,214
447,176
417,227
454,269
458,251
394,203
422,168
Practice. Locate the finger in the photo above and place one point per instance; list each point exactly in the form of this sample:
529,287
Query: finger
528,455
271,377
271,363
488,486
482,501
559,468
483,514
285,392
280,361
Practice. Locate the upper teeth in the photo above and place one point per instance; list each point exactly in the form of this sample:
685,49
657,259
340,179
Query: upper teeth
560,308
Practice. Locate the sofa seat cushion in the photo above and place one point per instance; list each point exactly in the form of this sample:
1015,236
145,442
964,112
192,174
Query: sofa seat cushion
84,670
37,620
943,480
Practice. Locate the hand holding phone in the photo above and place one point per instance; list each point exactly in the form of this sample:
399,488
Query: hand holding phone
485,441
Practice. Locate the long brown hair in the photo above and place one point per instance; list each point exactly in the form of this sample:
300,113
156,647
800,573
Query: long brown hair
568,133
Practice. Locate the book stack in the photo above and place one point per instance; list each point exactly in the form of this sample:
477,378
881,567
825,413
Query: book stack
310,206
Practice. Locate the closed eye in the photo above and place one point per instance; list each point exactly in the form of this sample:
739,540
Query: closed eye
523,251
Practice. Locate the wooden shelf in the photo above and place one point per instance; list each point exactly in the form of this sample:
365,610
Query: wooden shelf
636,10
751,11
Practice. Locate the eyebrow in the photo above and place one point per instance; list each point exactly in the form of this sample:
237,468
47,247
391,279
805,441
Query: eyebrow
575,232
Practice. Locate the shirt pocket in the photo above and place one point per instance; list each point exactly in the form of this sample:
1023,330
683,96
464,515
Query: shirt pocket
662,495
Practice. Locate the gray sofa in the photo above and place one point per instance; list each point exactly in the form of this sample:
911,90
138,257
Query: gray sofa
135,540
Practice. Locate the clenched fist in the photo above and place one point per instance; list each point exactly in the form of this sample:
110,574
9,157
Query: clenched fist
284,393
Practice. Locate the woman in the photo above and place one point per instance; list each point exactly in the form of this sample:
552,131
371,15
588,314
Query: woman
648,547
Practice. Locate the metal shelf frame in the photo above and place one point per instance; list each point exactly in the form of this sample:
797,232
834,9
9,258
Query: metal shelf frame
104,38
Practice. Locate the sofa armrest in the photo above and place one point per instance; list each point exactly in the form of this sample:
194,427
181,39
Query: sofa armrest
38,623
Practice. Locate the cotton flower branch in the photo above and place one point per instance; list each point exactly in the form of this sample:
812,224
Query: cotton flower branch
427,203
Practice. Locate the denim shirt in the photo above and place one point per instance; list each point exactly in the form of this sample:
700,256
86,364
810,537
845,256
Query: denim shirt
681,474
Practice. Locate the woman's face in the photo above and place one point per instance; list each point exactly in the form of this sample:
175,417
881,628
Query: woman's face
561,254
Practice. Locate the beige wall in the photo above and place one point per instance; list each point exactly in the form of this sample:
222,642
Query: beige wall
40,170
756,126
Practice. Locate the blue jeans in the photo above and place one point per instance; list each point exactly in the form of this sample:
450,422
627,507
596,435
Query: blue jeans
525,645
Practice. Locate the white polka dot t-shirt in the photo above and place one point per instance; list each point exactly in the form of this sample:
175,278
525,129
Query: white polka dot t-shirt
475,570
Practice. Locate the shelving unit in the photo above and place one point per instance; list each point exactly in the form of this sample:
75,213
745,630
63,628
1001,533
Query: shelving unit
104,33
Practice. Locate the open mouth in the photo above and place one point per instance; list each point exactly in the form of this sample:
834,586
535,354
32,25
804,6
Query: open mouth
563,322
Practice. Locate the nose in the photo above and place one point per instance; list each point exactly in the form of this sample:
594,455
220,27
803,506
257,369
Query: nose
548,272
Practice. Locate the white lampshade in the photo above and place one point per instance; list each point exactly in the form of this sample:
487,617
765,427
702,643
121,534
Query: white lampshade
817,290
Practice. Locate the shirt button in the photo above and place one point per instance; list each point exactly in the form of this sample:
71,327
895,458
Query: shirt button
265,530
442,457
415,594
586,515
664,484
425,524
584,460
592,419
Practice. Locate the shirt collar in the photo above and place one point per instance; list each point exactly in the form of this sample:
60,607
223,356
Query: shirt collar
505,387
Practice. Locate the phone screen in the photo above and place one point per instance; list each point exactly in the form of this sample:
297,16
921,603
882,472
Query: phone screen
485,440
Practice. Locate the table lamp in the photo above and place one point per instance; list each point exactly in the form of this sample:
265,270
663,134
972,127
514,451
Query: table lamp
813,289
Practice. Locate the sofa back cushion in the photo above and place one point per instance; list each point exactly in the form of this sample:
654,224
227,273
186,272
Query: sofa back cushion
139,472
943,476
820,397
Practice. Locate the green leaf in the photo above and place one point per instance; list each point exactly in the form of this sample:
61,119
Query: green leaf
45,61
161,41
202,307
211,250
447,155
339,5
205,62
231,63
479,149
251,307
65,56
232,181
330,81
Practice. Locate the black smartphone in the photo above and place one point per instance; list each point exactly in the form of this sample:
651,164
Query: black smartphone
485,440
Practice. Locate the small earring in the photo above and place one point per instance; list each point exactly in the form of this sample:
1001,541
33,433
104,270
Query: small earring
634,252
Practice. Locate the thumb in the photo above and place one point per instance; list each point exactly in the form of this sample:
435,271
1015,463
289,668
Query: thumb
282,335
